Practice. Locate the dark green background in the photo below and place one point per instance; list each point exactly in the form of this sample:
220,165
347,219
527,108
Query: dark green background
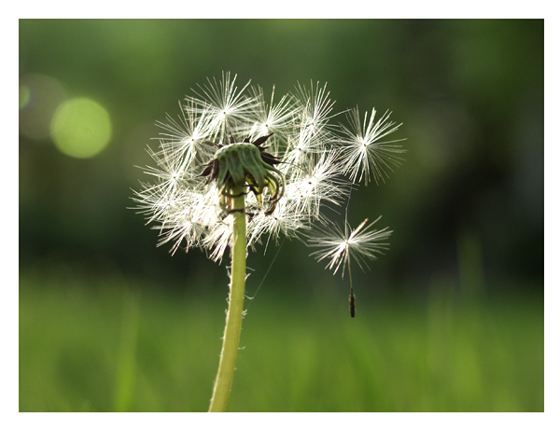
451,318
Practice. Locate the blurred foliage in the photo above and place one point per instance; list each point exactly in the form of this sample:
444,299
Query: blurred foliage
119,348
467,210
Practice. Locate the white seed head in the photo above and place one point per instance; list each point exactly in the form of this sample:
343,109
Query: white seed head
309,155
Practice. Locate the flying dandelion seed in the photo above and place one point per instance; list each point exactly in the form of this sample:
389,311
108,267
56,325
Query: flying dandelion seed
341,246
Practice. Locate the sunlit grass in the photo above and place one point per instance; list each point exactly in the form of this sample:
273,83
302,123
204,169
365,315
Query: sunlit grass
112,348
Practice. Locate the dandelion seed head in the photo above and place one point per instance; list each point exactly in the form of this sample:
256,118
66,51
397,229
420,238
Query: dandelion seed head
303,160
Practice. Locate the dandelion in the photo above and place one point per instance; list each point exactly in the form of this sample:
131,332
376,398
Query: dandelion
235,171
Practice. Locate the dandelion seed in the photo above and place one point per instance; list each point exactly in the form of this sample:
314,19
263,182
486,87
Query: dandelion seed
342,246
352,302
284,221
273,118
226,107
316,109
364,153
316,185
186,139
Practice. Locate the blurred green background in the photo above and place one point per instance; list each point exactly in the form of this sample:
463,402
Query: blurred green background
450,319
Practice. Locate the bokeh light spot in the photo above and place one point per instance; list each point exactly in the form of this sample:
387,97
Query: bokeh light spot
81,128
39,97
24,96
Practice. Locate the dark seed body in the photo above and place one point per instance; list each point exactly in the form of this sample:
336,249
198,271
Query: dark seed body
352,304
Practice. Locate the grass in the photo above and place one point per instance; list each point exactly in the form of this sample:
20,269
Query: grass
110,348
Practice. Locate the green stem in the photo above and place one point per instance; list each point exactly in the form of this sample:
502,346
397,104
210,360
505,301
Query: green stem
232,333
